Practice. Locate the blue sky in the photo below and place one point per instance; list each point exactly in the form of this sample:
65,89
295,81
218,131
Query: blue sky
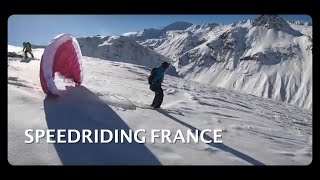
40,29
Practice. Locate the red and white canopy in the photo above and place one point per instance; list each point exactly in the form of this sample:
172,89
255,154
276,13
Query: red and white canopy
62,55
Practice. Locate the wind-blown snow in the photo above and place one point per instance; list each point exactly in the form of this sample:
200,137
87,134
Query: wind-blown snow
114,95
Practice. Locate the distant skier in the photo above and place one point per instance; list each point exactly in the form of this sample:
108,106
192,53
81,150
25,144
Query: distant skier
27,49
155,80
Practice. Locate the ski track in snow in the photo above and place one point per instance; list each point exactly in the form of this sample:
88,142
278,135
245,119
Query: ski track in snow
255,130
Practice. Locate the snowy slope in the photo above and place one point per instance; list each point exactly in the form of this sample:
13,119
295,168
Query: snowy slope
302,26
173,42
152,43
37,52
267,58
113,96
178,44
299,22
250,56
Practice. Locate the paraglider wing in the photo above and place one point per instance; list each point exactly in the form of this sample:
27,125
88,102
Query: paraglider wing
62,55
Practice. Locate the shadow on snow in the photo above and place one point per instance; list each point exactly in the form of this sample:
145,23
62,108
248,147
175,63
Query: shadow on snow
78,108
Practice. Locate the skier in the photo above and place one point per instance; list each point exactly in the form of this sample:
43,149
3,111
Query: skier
27,49
155,80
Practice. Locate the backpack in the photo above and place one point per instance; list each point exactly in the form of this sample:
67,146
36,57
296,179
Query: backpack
152,75
28,45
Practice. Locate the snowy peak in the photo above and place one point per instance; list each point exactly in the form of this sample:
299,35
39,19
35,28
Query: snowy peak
148,34
180,25
277,23
203,30
118,40
253,57
209,25
144,34
270,22
153,33
244,23
193,28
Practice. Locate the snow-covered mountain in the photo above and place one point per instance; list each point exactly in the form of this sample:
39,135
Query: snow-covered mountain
303,27
173,43
299,22
266,57
122,49
115,96
157,33
179,44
